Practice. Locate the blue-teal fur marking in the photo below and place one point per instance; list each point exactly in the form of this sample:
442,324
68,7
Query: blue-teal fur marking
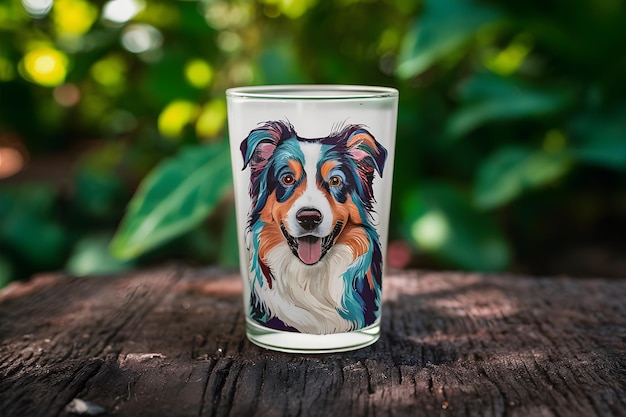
270,152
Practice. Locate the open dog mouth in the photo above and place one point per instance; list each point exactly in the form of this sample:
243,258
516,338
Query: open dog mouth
310,249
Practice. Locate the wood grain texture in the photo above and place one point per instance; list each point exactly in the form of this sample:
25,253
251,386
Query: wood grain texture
171,342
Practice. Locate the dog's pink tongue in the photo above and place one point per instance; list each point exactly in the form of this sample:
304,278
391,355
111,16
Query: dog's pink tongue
309,249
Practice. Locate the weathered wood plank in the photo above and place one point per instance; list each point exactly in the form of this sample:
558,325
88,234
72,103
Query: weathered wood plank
171,342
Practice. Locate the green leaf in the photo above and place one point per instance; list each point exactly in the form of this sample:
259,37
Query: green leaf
486,98
511,170
443,27
601,138
443,223
174,198
91,255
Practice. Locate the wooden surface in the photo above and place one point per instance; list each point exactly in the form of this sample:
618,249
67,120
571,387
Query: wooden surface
171,343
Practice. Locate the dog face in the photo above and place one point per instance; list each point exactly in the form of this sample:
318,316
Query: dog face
310,194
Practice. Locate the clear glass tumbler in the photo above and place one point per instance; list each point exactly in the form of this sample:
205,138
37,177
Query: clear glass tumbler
312,168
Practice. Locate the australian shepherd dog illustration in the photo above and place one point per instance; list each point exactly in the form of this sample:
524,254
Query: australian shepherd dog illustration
315,256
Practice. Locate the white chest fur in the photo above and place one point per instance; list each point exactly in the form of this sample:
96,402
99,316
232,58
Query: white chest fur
307,297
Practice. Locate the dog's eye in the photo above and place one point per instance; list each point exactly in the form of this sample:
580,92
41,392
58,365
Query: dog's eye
288,179
334,181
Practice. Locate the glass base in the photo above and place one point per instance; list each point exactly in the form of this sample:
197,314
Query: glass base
292,342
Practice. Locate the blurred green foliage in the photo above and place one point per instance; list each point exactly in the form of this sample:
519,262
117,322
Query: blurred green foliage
175,198
511,132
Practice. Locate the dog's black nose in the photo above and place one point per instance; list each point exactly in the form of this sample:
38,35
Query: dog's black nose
309,218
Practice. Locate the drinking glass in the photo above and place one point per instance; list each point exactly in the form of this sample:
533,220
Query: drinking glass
312,168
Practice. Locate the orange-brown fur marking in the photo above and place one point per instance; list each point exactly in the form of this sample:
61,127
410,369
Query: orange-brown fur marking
271,215
296,167
355,238
363,137
352,234
326,168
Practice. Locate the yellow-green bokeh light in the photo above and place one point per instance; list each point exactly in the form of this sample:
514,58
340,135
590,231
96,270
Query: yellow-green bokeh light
175,116
44,66
293,9
509,59
110,72
73,17
431,231
212,119
198,73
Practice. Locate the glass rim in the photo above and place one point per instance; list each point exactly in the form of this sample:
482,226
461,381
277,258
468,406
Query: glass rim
312,92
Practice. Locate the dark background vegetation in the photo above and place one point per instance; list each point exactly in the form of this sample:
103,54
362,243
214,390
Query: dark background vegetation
511,146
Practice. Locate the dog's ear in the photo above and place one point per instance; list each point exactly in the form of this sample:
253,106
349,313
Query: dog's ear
362,147
260,144
258,147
